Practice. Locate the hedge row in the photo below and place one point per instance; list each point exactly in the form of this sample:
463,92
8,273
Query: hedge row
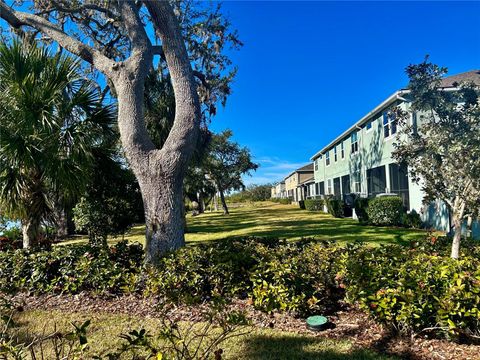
408,289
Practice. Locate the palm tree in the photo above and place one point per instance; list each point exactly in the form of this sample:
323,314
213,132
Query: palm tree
52,120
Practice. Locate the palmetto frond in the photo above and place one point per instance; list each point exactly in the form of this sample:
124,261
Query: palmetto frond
51,120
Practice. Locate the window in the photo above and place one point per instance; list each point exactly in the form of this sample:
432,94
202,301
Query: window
369,125
389,124
346,184
335,153
327,158
342,150
356,182
336,188
322,188
354,141
329,187
399,182
376,181
316,164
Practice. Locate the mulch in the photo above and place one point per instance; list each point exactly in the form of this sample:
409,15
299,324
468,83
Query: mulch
348,324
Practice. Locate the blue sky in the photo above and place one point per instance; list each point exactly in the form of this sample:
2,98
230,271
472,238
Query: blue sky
308,70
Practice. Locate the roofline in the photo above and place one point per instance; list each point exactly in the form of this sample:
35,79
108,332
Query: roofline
395,96
297,171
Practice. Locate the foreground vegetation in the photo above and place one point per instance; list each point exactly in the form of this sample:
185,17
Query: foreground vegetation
409,289
258,344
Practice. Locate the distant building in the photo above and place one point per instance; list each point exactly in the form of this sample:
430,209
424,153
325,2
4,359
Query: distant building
278,190
295,181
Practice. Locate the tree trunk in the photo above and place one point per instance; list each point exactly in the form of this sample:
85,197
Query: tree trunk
215,202
224,203
458,212
164,218
201,203
30,232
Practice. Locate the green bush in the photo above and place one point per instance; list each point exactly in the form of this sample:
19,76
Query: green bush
335,207
412,220
412,290
314,204
385,210
361,206
71,269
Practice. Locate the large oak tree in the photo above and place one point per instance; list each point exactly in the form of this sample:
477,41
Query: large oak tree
113,38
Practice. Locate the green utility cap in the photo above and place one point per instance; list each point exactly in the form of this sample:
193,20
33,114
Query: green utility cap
317,322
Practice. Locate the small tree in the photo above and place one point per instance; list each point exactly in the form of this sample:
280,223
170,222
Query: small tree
226,163
443,151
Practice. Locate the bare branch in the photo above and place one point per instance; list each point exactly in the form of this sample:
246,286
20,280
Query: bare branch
17,19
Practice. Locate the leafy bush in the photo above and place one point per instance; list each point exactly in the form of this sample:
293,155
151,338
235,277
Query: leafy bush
335,207
300,278
314,204
361,206
385,210
102,217
412,220
71,269
413,291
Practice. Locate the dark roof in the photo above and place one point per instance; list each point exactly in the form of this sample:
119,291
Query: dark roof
305,168
455,80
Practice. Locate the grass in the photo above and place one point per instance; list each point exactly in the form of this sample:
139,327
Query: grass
282,221
258,344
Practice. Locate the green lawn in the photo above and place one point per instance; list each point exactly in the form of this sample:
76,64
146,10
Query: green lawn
282,221
258,344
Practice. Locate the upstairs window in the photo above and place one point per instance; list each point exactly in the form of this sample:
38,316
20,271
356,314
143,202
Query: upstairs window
342,150
368,126
335,153
327,158
354,141
389,124
316,164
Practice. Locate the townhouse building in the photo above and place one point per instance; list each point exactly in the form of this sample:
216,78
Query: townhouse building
278,190
360,160
295,183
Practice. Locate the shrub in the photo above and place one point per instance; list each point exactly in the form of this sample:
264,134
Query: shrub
299,278
412,220
314,204
412,291
335,207
385,210
71,269
361,206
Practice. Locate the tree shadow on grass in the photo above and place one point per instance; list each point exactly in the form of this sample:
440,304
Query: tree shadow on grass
263,347
292,223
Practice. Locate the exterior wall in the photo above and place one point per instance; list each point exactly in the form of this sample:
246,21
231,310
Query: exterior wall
291,183
374,150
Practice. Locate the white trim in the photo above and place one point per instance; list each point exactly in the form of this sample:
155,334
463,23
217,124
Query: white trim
392,98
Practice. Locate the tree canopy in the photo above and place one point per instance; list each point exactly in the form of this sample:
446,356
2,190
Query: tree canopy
441,142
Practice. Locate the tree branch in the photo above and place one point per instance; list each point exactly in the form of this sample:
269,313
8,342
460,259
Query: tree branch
17,19
182,137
